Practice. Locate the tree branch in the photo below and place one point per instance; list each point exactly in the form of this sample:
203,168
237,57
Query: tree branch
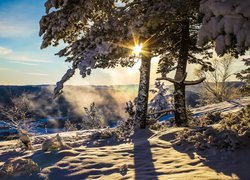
173,80
194,82
168,79
162,111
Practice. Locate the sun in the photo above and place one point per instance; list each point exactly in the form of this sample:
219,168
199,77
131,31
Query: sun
137,49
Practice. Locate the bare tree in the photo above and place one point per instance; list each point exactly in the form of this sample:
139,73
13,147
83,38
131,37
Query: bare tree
217,87
16,116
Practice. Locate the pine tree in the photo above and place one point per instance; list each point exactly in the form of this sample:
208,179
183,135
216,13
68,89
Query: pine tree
182,46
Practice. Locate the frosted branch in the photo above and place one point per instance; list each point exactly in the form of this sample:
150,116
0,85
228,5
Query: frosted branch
173,80
194,82
162,111
60,84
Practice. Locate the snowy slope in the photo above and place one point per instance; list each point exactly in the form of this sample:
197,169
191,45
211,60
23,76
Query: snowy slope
224,107
150,155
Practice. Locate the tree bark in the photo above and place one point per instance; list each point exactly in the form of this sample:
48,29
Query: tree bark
142,98
179,95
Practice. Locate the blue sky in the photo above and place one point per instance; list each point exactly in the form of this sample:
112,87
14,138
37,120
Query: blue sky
22,62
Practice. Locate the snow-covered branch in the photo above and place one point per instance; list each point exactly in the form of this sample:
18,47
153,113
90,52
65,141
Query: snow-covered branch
194,82
227,23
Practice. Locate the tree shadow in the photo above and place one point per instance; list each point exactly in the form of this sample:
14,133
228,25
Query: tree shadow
143,159
12,154
230,163
45,159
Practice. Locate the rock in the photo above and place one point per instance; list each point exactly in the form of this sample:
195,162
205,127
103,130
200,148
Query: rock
246,133
54,143
25,139
123,169
19,167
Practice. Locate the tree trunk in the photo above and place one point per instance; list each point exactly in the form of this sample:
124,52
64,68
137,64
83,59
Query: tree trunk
179,95
142,99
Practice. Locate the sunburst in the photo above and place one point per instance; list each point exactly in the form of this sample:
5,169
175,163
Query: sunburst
137,48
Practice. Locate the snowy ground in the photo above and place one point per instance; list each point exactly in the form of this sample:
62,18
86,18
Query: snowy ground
150,155
224,107
153,158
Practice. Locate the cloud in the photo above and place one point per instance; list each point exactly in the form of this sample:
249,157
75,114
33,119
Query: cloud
26,63
9,54
4,50
25,58
36,74
11,28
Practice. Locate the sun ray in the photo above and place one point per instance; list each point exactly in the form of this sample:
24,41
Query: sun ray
137,48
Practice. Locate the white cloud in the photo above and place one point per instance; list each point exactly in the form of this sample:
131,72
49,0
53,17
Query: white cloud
11,28
4,50
25,58
36,74
25,63
9,54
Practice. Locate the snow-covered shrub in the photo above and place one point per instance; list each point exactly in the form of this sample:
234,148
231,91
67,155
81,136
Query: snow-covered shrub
69,126
203,138
238,122
17,116
123,131
207,119
102,134
227,134
161,101
158,126
93,118
125,128
19,167
54,143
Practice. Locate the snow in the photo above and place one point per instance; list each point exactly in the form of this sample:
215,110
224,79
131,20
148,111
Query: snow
142,159
150,155
224,107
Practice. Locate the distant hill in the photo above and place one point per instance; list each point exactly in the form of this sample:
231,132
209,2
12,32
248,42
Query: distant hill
109,99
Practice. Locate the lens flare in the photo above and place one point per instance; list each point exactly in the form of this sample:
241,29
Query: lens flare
137,49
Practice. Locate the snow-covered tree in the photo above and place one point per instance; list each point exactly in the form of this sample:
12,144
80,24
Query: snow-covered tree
16,116
102,34
92,118
182,49
126,127
162,100
99,34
